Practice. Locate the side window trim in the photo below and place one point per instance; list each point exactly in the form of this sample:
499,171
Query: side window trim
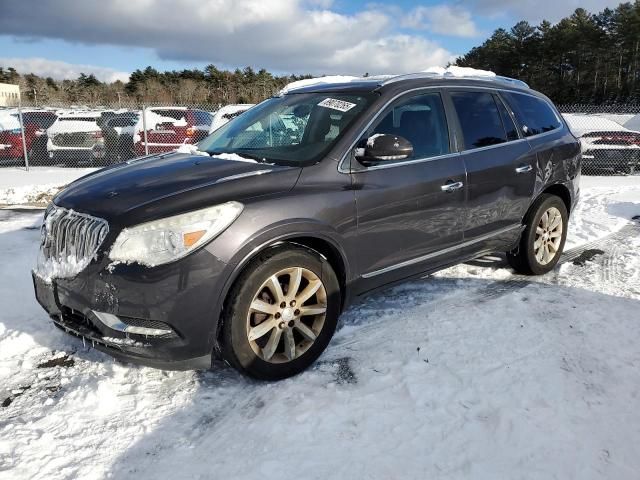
498,99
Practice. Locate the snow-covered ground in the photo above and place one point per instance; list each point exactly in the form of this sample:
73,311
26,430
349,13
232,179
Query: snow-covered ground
36,186
472,373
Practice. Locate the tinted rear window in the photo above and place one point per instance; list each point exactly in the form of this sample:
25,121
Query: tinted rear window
534,115
201,118
171,113
42,120
479,118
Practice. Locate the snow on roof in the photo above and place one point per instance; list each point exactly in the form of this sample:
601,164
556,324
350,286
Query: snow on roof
451,72
81,114
580,124
328,80
454,71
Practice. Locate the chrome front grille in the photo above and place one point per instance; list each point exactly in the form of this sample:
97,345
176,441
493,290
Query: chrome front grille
69,242
74,139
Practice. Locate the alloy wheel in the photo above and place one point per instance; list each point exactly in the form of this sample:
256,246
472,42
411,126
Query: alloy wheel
548,236
286,315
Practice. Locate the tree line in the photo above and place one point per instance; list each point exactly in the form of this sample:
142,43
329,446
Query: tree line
149,86
584,58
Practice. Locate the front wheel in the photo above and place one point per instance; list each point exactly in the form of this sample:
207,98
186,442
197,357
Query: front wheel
543,239
281,313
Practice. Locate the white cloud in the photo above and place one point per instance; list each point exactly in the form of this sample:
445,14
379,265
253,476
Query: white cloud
297,36
61,70
443,19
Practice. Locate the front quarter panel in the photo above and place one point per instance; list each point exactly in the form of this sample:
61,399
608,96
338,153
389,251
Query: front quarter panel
320,206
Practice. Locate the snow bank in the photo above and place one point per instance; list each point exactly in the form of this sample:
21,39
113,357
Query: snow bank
37,186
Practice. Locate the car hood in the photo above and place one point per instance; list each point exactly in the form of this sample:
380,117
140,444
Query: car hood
161,185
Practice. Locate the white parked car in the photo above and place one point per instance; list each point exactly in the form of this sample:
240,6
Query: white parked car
607,146
76,138
228,112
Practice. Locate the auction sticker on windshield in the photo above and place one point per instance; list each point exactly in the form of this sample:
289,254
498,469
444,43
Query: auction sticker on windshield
334,104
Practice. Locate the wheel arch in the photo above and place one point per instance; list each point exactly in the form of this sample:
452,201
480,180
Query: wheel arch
559,190
322,245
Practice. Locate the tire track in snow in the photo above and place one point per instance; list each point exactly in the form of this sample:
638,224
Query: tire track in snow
611,245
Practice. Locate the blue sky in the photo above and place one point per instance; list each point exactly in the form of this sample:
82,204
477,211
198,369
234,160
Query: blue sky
111,38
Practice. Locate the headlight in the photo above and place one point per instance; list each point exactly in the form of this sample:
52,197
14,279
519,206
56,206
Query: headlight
168,239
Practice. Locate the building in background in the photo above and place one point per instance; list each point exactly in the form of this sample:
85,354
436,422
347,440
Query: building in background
9,95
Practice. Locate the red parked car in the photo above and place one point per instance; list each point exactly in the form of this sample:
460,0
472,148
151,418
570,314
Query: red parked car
170,127
36,123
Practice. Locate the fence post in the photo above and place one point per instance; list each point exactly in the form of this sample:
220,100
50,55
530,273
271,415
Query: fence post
24,142
144,127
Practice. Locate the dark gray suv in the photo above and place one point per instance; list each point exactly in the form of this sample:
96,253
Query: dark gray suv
249,247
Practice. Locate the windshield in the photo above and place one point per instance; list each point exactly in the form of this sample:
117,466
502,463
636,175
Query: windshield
294,129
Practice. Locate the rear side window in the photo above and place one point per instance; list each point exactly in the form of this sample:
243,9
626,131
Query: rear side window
479,118
422,121
534,115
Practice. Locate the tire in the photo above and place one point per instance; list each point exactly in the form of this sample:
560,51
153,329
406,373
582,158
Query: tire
524,259
260,356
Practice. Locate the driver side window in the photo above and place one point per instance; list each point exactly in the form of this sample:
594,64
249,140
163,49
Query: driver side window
420,120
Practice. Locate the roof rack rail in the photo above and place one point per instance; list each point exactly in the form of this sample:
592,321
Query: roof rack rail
497,78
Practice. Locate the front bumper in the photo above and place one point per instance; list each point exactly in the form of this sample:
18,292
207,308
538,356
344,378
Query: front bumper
179,299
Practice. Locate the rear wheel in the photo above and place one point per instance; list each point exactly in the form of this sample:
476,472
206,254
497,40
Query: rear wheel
281,314
543,239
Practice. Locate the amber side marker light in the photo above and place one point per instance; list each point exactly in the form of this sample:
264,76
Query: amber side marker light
191,238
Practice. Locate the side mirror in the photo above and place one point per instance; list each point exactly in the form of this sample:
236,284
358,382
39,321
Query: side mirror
383,147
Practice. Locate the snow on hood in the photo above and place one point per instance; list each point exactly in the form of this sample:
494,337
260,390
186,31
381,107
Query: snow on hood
9,121
63,125
454,71
318,81
579,124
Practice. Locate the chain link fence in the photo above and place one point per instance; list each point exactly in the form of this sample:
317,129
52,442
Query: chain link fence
81,136
610,137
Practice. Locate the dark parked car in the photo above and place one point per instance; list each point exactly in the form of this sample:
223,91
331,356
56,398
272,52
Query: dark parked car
249,249
118,132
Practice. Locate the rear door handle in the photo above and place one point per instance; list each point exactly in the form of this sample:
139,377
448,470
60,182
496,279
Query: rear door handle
452,186
524,169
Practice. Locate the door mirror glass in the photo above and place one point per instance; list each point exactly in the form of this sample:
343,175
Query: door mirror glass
384,148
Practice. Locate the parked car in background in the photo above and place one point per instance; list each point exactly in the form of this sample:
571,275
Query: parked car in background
227,113
11,149
77,139
607,146
250,247
35,124
170,127
118,134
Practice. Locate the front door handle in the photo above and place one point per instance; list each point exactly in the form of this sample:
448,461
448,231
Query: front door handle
452,186
524,169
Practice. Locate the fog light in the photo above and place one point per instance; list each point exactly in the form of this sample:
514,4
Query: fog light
113,322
